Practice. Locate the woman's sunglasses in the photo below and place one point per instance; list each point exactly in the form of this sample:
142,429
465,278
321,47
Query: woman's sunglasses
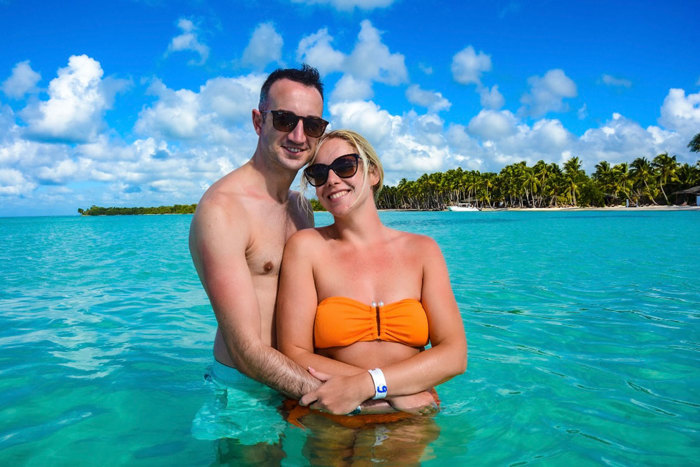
283,120
343,166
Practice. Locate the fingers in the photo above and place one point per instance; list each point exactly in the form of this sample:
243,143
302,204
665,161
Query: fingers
319,375
308,399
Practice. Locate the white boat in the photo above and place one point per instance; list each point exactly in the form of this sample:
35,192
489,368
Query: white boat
463,207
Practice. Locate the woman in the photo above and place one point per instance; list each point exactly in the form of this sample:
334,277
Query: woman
358,301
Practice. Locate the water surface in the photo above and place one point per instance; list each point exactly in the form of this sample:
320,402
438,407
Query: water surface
582,327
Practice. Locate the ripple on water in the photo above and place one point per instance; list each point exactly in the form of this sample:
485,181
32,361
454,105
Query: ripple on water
583,340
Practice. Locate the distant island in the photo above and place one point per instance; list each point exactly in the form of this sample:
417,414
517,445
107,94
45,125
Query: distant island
114,211
174,209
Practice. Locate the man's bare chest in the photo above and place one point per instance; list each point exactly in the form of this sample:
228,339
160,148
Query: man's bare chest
270,231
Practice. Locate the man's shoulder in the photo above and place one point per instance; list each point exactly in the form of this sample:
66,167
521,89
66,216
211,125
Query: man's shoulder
220,201
222,206
227,193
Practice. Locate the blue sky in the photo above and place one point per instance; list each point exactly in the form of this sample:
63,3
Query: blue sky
144,103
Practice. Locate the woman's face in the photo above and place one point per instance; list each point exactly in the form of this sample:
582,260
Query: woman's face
337,194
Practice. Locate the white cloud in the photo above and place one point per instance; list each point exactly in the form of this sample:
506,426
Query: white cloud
14,183
265,46
188,40
350,89
61,172
468,66
316,50
433,101
491,98
347,5
619,82
23,80
78,98
427,69
493,125
681,113
366,118
547,93
204,116
372,60
582,112
176,114
622,140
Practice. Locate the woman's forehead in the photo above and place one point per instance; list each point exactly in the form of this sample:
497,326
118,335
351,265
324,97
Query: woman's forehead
332,148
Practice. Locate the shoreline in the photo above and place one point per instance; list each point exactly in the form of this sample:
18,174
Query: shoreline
606,208
570,208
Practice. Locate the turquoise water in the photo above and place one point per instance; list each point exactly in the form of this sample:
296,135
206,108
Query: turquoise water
584,342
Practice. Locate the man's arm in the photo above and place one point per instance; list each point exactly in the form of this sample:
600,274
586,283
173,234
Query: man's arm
218,241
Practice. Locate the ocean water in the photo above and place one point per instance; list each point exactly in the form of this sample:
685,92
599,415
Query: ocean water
583,331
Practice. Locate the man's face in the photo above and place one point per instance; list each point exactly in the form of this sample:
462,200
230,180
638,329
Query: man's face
293,149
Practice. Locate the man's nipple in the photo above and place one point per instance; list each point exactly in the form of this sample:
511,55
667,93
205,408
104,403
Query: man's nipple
267,266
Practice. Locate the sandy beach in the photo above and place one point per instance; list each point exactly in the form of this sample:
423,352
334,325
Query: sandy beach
607,208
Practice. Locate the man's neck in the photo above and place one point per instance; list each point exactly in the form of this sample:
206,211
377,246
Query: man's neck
273,179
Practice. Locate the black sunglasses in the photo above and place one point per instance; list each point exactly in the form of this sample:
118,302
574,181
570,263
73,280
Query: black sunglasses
344,167
286,121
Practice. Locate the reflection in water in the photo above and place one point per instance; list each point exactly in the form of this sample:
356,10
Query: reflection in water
402,442
232,452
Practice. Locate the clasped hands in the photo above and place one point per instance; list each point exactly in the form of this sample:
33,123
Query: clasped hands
343,394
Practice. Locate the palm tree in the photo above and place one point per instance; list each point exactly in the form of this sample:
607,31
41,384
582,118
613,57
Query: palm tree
574,176
603,175
643,172
666,171
532,183
543,175
694,144
622,179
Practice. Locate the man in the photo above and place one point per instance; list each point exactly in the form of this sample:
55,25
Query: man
242,223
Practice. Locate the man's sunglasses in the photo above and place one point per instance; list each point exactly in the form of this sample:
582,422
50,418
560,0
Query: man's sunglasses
286,121
343,166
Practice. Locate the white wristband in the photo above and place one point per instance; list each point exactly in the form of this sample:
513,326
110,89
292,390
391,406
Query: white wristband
379,383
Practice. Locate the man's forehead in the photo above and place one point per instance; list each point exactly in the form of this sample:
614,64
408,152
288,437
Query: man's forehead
287,92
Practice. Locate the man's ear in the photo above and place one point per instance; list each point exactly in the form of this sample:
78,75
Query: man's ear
257,118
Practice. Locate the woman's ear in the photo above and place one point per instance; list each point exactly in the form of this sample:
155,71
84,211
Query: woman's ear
373,177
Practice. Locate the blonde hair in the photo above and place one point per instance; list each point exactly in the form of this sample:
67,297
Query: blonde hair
364,149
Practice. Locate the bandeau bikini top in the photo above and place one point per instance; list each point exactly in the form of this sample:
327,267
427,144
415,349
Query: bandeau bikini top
341,321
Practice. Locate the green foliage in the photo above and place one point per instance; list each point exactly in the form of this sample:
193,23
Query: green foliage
316,205
115,211
591,195
545,185
694,144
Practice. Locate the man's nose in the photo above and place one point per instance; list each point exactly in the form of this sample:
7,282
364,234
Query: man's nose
297,134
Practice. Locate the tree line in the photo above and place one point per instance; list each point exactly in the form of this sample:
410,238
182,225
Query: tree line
116,211
642,182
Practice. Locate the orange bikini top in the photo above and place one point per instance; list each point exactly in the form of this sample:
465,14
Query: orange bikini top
341,321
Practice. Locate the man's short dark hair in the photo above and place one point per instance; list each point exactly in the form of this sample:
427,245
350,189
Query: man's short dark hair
307,76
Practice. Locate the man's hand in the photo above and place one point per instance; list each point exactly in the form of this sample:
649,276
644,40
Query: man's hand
342,394
338,394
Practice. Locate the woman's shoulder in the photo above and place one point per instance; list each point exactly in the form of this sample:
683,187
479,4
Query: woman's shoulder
308,236
414,240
